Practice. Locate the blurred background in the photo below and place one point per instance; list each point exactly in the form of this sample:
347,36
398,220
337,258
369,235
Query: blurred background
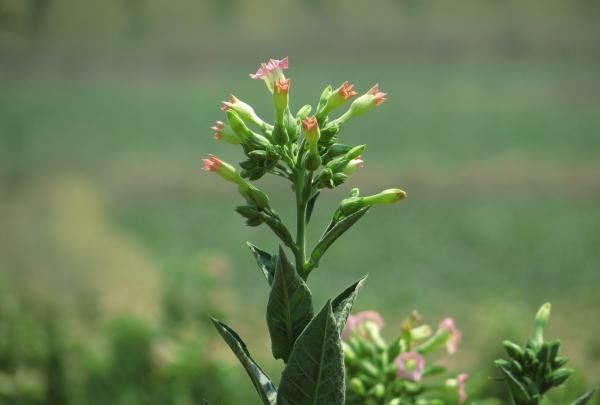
114,246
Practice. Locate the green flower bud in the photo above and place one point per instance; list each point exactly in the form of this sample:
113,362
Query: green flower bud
281,98
349,354
357,386
378,391
303,112
258,197
280,136
541,320
560,376
245,111
312,162
513,350
389,196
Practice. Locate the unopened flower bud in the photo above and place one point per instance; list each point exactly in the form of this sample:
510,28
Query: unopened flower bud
541,320
420,332
280,135
311,131
339,179
389,196
378,391
303,112
247,136
357,386
281,98
225,133
356,163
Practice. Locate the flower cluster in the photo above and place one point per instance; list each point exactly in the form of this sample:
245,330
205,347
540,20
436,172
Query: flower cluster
395,373
303,148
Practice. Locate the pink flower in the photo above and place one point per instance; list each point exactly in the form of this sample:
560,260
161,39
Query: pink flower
218,127
271,71
212,164
462,393
378,97
356,322
455,334
346,91
410,366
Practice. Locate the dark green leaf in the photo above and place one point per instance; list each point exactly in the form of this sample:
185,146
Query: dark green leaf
582,400
517,390
265,262
265,388
315,373
342,304
289,309
279,229
335,232
311,206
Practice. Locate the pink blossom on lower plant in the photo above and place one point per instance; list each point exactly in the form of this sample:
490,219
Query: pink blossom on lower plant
455,335
410,366
462,393
355,323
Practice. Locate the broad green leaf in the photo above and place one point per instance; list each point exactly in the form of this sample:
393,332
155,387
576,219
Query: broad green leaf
311,206
205,402
335,232
315,373
342,304
582,400
289,309
265,262
265,388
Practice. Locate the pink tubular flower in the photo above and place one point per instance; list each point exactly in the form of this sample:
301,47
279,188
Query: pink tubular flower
410,366
224,132
378,97
271,71
346,91
462,393
212,164
355,323
455,334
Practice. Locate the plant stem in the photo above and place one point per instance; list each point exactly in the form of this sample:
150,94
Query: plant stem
300,221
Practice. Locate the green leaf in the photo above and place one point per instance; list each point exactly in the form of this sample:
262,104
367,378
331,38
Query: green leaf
315,373
265,388
265,262
335,232
310,206
517,390
289,309
582,400
279,229
205,402
342,304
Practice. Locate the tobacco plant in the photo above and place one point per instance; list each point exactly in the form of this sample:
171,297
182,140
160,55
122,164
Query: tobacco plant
533,370
308,151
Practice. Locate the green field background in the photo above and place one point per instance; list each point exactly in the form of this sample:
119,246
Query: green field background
110,232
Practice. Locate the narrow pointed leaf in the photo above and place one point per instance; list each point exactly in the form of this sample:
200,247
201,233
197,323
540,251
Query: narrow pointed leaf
265,388
335,232
289,309
582,400
342,304
315,373
517,390
310,206
265,262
